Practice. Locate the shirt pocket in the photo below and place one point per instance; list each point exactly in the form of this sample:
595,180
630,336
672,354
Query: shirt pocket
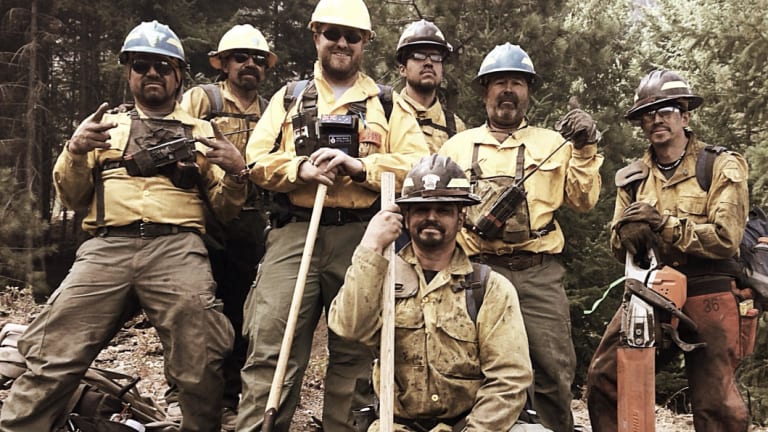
546,185
455,351
692,207
409,333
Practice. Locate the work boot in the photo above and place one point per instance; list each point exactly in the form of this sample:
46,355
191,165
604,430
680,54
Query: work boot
228,419
173,412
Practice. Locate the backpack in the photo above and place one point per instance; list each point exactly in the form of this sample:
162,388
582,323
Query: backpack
753,249
101,395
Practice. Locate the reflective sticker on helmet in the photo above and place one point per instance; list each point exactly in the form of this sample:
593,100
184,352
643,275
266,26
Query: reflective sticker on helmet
176,43
458,183
408,182
430,181
527,61
674,85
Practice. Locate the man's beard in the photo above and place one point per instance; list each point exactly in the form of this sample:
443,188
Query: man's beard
339,73
431,241
507,117
153,98
423,86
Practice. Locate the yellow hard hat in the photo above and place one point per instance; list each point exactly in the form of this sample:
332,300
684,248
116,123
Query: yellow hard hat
348,13
242,37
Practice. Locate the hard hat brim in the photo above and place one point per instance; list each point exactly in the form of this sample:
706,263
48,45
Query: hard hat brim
534,81
469,200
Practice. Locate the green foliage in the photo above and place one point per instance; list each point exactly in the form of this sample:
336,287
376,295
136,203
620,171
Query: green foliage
18,211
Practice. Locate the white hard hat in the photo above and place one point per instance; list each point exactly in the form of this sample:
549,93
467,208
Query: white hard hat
242,37
348,13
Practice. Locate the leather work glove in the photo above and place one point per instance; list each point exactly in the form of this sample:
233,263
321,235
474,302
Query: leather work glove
640,211
637,238
578,127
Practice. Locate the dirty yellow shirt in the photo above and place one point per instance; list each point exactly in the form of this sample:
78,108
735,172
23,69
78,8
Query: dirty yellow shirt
402,145
435,137
571,177
445,364
196,102
155,199
706,225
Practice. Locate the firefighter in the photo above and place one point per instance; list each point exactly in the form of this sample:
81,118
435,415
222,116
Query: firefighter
421,53
454,364
146,217
526,247
660,204
235,248
292,166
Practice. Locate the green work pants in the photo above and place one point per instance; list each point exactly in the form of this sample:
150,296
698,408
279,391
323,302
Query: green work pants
266,313
170,279
547,318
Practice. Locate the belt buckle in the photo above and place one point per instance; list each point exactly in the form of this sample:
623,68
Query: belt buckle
340,219
142,233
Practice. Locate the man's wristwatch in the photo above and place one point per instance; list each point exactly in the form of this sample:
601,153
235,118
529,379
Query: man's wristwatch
242,176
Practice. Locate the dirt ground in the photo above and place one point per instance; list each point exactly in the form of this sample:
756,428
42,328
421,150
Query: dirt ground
136,350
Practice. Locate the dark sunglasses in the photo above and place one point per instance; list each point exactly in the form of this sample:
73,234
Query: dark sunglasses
436,58
334,34
162,67
242,57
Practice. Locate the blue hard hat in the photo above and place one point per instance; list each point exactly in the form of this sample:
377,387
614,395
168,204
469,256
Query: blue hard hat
152,38
506,58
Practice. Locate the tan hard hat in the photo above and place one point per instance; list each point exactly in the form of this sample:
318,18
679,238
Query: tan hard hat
659,88
348,13
242,37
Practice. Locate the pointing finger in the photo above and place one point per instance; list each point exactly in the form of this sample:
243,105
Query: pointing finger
99,114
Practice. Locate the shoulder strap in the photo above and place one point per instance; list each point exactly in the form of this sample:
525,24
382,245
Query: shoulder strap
450,122
214,99
630,177
705,163
263,102
475,172
475,289
292,91
385,97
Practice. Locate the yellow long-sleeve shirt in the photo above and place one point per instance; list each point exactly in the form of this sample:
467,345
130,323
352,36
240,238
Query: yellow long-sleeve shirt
703,224
402,145
445,364
571,177
128,199
435,137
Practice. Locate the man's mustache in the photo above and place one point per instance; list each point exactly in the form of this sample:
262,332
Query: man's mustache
433,225
508,97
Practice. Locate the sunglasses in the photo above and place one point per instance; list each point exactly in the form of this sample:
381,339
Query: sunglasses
334,34
142,67
242,57
420,56
664,112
